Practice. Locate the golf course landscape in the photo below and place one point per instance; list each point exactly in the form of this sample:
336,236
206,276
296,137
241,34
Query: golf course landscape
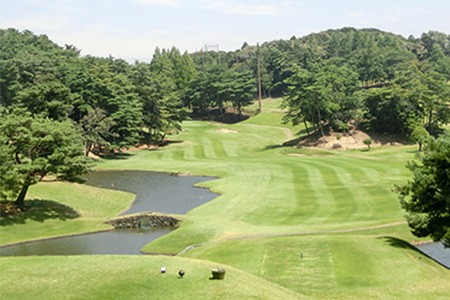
290,223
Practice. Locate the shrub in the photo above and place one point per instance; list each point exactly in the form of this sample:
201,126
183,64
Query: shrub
368,142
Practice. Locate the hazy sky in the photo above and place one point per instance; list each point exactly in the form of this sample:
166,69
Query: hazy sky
131,29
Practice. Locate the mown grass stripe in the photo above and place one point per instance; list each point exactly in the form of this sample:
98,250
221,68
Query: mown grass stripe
208,148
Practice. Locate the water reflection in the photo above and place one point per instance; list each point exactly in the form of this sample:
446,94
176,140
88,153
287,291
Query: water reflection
157,192
128,241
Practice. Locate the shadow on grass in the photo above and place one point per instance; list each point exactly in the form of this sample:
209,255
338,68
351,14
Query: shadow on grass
398,243
302,133
116,156
414,151
39,211
290,143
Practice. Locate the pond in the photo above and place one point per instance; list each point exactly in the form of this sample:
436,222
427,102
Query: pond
437,252
155,191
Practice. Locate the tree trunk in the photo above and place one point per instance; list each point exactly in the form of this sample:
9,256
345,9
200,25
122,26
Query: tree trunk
320,122
161,143
87,148
221,113
306,126
313,121
20,201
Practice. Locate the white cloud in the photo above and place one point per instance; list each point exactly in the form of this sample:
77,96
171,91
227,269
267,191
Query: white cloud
38,23
160,2
249,9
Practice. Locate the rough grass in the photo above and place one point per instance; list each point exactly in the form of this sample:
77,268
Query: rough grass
266,190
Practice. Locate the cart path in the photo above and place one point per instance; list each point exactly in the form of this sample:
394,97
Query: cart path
264,235
315,232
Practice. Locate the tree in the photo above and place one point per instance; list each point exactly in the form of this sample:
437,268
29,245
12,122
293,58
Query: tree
35,147
434,101
419,135
426,198
392,109
95,129
322,96
367,142
237,88
48,97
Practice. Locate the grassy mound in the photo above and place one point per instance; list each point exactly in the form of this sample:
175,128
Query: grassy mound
61,209
335,266
128,277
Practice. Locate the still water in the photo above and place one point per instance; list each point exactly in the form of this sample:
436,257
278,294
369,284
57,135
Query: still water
156,192
437,252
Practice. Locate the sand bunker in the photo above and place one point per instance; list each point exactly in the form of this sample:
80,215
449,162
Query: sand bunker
296,154
225,130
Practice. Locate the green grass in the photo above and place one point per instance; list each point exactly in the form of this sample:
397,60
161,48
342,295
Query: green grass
128,277
334,266
63,209
268,189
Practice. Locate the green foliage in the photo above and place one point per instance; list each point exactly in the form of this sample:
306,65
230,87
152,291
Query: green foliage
426,198
419,135
219,87
367,142
323,96
96,129
35,147
141,102
47,97
161,86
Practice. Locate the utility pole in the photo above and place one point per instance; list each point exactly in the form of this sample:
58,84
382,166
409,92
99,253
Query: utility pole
259,84
207,47
259,78
203,60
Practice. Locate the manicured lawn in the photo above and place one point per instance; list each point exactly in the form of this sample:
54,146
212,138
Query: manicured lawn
335,266
62,209
266,189
128,277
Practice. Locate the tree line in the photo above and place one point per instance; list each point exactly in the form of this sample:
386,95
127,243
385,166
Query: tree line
57,106
387,83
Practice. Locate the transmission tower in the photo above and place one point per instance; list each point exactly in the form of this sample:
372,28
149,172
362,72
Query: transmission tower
207,48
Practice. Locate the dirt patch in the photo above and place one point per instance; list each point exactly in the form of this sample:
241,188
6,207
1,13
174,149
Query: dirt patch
141,147
9,209
225,130
354,139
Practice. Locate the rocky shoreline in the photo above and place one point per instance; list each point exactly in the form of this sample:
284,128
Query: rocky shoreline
144,220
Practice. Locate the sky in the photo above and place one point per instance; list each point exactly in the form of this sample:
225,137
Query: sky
131,29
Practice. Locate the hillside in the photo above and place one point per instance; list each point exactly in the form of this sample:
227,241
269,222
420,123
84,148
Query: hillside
289,223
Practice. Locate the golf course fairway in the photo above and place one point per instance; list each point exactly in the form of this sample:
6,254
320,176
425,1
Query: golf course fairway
289,224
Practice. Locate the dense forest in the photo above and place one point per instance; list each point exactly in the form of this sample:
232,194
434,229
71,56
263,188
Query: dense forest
390,83
387,83
56,103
